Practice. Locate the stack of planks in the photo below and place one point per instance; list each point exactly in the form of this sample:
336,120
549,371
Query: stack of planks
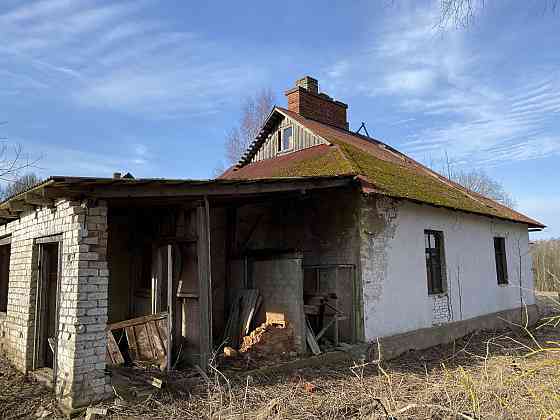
245,304
146,337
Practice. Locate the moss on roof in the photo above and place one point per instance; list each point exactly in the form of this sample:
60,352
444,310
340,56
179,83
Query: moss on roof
331,163
384,170
399,181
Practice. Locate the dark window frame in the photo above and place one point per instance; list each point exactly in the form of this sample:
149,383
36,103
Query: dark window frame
434,252
500,257
5,247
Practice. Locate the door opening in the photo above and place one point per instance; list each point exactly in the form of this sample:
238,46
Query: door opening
47,306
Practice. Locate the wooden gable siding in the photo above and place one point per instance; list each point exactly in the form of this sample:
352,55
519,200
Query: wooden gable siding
302,139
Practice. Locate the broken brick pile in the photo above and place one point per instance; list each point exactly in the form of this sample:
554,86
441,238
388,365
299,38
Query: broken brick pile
269,339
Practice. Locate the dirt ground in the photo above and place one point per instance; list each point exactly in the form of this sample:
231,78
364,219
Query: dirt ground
510,374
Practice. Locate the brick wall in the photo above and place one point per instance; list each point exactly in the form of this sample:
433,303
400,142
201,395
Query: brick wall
83,296
441,313
319,107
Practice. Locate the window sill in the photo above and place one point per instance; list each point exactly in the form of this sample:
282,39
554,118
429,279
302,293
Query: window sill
285,152
503,285
440,294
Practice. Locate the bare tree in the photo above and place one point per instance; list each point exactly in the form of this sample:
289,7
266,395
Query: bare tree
479,182
20,184
462,13
253,114
546,264
475,180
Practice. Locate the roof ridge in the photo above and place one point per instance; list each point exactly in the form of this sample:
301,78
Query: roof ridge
353,164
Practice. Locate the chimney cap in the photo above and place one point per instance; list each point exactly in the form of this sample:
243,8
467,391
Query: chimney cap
308,83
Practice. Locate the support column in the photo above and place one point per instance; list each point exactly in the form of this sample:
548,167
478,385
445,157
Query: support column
204,282
82,340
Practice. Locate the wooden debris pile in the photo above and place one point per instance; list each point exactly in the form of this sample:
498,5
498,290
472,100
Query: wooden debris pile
141,339
269,339
244,305
322,315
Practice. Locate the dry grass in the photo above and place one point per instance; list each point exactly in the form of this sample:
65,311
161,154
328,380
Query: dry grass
511,374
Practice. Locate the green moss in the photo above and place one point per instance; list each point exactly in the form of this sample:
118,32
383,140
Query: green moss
398,181
328,164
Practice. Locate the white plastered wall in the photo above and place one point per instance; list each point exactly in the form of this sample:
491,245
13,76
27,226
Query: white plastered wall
395,292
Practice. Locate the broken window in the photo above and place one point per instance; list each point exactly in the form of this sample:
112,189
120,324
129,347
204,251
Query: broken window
4,275
434,261
501,260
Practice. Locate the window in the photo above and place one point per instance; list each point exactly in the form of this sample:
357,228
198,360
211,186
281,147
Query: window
285,138
4,276
434,261
501,260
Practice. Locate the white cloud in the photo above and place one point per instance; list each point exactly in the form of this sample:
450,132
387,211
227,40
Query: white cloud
438,76
409,81
107,57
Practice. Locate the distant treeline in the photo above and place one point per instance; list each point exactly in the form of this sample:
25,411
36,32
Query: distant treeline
546,265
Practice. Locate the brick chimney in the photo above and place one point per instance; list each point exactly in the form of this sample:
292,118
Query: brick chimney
306,100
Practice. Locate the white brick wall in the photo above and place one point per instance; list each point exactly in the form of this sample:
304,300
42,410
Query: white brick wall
441,313
83,296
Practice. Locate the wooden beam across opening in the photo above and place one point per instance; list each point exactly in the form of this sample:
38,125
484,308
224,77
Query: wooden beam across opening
37,199
199,190
7,214
19,206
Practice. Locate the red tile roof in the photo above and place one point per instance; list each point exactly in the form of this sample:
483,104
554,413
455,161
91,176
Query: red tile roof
379,168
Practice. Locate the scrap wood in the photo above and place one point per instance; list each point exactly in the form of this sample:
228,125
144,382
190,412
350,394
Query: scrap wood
245,303
146,337
113,352
311,340
136,321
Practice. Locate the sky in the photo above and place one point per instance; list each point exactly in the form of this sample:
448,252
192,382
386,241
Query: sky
152,87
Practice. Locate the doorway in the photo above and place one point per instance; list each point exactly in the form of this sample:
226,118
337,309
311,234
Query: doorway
46,325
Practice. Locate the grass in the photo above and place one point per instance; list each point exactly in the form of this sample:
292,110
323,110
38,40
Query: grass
510,374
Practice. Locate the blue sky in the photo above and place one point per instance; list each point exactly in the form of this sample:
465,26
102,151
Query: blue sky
151,87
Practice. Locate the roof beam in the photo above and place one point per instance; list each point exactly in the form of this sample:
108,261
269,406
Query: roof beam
6,214
37,199
239,188
19,206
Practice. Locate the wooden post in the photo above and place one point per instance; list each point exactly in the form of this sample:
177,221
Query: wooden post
204,282
170,307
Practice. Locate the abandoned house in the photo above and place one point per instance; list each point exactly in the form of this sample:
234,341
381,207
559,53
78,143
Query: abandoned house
315,221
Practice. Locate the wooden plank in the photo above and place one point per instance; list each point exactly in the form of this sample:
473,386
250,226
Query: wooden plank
311,341
204,283
19,206
132,346
325,328
6,214
113,350
135,321
161,325
201,189
170,307
144,345
156,340
37,199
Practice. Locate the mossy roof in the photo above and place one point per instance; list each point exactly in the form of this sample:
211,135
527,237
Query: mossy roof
379,168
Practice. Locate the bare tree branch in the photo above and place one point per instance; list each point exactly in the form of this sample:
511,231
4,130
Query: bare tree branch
253,114
463,13
475,180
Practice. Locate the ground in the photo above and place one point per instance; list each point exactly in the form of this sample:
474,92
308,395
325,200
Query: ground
510,374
